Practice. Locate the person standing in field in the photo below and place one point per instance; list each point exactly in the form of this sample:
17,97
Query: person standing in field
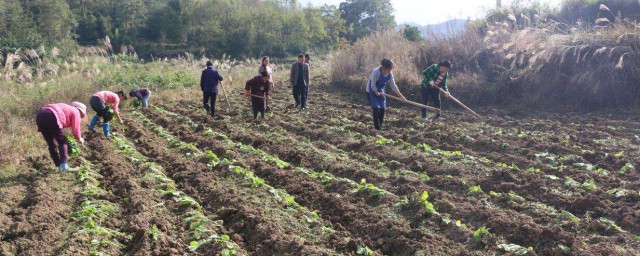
209,85
51,121
435,77
299,80
264,67
258,86
100,102
142,94
380,77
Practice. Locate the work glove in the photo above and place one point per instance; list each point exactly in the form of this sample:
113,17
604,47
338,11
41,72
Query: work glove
432,83
268,96
378,94
247,93
447,94
81,141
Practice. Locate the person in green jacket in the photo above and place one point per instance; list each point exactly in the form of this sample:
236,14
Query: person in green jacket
435,77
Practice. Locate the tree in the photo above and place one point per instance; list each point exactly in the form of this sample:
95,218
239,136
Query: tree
367,16
412,33
17,28
53,18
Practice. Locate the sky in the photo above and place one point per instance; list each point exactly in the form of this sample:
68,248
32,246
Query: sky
426,12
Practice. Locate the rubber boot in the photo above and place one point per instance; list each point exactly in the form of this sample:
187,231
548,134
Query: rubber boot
63,167
93,122
106,128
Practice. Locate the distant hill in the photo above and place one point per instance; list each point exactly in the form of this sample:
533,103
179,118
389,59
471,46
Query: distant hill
451,26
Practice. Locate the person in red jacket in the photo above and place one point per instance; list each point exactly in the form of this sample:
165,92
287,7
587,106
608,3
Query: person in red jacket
51,121
258,86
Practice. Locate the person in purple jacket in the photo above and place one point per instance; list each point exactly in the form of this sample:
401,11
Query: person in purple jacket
142,94
209,85
51,121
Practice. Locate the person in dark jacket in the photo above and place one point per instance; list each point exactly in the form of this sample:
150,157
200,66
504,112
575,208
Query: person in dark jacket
299,80
258,86
209,85
142,95
435,77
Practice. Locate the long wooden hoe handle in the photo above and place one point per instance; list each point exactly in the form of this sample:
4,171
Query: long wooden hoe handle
262,97
225,97
459,103
412,103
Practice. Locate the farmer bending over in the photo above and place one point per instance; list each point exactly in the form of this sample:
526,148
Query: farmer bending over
380,77
52,119
258,86
142,95
99,103
435,77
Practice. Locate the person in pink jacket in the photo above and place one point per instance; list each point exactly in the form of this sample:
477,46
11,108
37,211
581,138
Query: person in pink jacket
52,119
99,102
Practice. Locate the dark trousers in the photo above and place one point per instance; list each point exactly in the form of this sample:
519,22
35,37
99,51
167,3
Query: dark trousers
99,107
434,95
256,111
48,126
300,95
209,96
378,118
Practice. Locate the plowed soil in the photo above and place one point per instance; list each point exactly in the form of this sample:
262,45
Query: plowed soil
541,183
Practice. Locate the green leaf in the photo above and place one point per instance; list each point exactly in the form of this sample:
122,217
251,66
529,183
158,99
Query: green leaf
425,195
364,251
480,233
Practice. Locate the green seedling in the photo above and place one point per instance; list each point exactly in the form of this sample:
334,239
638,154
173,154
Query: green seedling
611,224
533,170
570,183
460,224
514,167
428,206
569,216
473,190
502,165
424,146
626,168
512,196
372,189
480,233
637,239
515,249
153,232
589,185
484,160
402,203
323,176
619,154
72,146
617,192
212,157
495,194
364,251
187,201
383,141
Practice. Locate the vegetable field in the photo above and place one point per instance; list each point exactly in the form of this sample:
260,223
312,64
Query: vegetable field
174,181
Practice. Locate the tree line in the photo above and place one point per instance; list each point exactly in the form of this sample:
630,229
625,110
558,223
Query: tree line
239,28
